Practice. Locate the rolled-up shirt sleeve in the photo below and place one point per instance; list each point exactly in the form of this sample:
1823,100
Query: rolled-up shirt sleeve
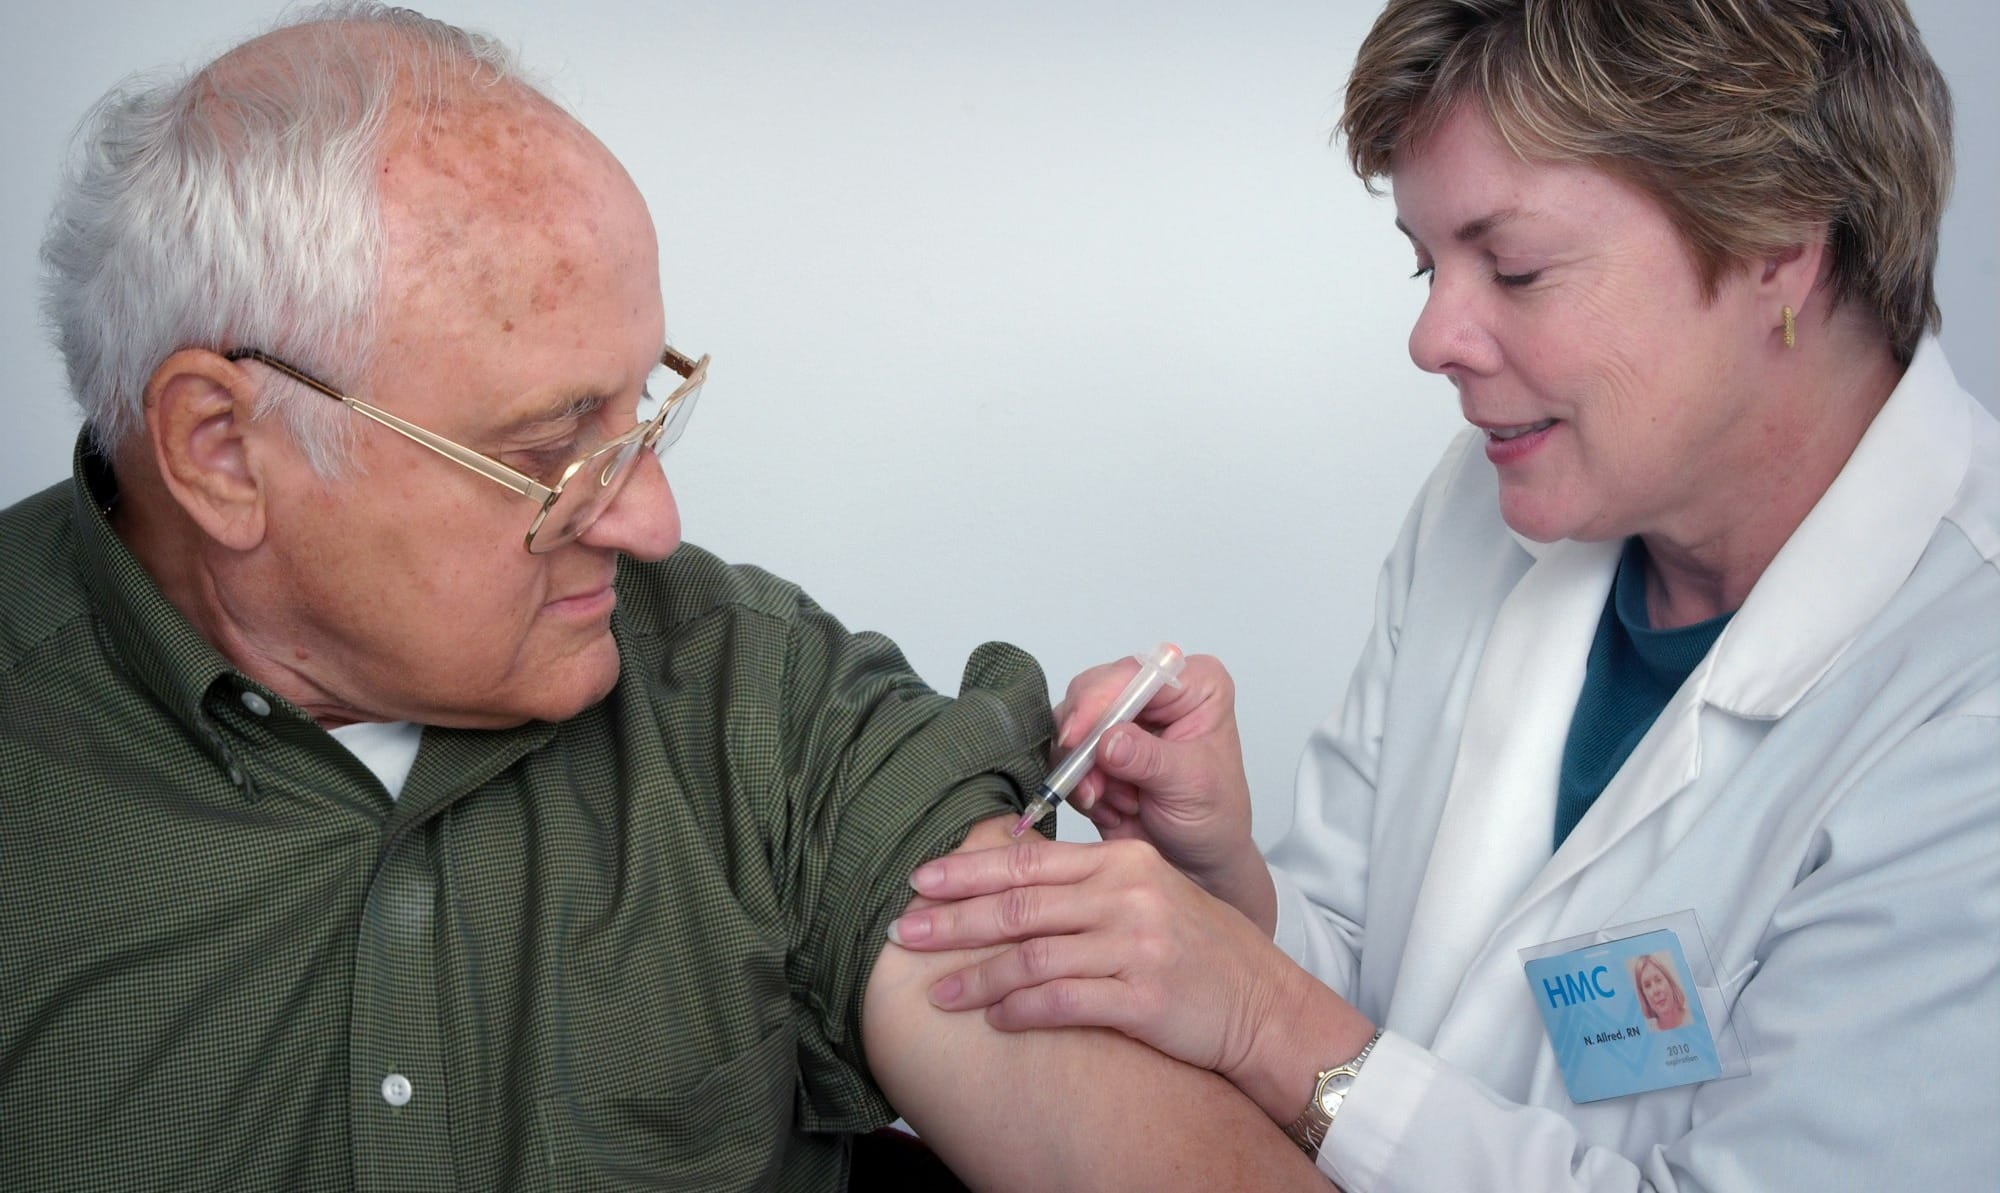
879,774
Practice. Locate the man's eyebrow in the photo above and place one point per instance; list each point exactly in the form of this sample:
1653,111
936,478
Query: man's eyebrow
1471,230
564,408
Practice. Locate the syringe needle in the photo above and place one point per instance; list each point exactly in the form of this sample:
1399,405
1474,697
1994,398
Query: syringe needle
1161,668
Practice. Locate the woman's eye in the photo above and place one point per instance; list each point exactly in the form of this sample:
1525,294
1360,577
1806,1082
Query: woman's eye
1515,279
1425,272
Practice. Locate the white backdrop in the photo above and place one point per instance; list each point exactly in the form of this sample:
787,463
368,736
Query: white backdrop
1057,321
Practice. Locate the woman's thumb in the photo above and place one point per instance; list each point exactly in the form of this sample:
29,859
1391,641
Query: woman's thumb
1130,753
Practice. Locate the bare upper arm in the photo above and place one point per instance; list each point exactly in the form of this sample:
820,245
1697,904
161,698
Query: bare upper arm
1067,1108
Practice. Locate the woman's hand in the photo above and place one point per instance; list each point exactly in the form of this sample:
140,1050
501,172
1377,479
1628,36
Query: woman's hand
1110,935
1174,780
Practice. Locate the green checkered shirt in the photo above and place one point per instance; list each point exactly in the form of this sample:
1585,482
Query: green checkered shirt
626,951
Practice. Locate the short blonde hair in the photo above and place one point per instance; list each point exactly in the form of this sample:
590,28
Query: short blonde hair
1750,122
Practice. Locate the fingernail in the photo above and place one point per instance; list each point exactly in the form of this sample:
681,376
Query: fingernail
1118,751
947,990
911,929
923,875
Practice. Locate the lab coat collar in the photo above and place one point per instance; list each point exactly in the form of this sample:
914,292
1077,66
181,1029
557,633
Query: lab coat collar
1853,551
1490,862
1535,548
1840,567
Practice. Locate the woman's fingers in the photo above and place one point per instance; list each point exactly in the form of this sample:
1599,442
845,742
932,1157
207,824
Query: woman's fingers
984,871
1088,696
1065,1002
1031,889
1106,935
1041,961
972,923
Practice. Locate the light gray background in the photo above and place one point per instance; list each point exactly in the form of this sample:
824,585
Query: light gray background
1058,322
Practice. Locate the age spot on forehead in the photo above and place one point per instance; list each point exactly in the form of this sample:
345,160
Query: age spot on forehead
504,212
549,291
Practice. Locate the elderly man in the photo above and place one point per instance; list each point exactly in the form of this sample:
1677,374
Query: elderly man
385,802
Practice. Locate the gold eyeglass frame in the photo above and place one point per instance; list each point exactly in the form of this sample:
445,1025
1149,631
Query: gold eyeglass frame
646,435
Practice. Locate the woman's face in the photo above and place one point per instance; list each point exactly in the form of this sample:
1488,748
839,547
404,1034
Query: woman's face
1616,400
1658,992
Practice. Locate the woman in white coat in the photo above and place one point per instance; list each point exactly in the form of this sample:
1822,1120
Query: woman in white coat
1690,646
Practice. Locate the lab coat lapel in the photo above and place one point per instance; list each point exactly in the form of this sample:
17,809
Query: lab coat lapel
1663,764
1500,810
1817,595
1837,570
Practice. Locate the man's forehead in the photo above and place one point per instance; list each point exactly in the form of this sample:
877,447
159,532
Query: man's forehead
519,264
514,378
554,276
499,160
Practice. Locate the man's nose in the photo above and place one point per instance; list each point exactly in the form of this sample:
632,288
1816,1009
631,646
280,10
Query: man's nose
642,520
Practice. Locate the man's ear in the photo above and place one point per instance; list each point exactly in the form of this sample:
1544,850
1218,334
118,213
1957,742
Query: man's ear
198,410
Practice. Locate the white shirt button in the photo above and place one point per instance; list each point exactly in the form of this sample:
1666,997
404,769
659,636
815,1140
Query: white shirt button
396,1089
257,705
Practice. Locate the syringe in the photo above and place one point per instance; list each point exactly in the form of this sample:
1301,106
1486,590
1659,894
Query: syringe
1161,668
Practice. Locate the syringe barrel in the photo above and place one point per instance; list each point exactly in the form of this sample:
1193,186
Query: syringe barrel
1156,670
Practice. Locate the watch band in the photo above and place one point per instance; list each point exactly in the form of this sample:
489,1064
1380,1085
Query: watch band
1309,1129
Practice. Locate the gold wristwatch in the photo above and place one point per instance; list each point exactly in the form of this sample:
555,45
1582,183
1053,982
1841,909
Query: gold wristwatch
1308,1130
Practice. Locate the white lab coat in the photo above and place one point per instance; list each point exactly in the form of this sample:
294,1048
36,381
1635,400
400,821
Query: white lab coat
1823,792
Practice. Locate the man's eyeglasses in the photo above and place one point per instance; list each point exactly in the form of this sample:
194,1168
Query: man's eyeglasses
583,489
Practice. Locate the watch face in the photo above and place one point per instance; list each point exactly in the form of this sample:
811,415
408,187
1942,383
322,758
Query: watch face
1334,1092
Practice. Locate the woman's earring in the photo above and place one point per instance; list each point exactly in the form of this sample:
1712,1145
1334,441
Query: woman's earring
1791,331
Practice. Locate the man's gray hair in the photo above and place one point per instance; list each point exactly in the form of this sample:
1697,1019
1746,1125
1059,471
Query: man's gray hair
236,206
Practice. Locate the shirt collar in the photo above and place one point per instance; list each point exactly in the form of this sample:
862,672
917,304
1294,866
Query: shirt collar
165,653
157,644
1855,548
1852,552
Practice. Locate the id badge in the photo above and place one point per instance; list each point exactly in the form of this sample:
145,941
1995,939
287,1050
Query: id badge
1626,1011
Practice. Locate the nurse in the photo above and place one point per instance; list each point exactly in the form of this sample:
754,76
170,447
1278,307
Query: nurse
1660,996
1691,644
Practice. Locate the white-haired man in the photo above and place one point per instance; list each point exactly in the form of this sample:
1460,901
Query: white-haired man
385,802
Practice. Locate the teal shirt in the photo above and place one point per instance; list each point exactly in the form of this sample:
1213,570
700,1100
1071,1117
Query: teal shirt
624,951
1633,671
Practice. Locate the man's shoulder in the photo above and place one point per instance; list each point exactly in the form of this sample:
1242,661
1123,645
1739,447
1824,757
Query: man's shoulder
40,590
692,583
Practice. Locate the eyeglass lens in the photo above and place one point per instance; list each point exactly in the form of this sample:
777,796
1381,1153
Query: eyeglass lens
599,477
